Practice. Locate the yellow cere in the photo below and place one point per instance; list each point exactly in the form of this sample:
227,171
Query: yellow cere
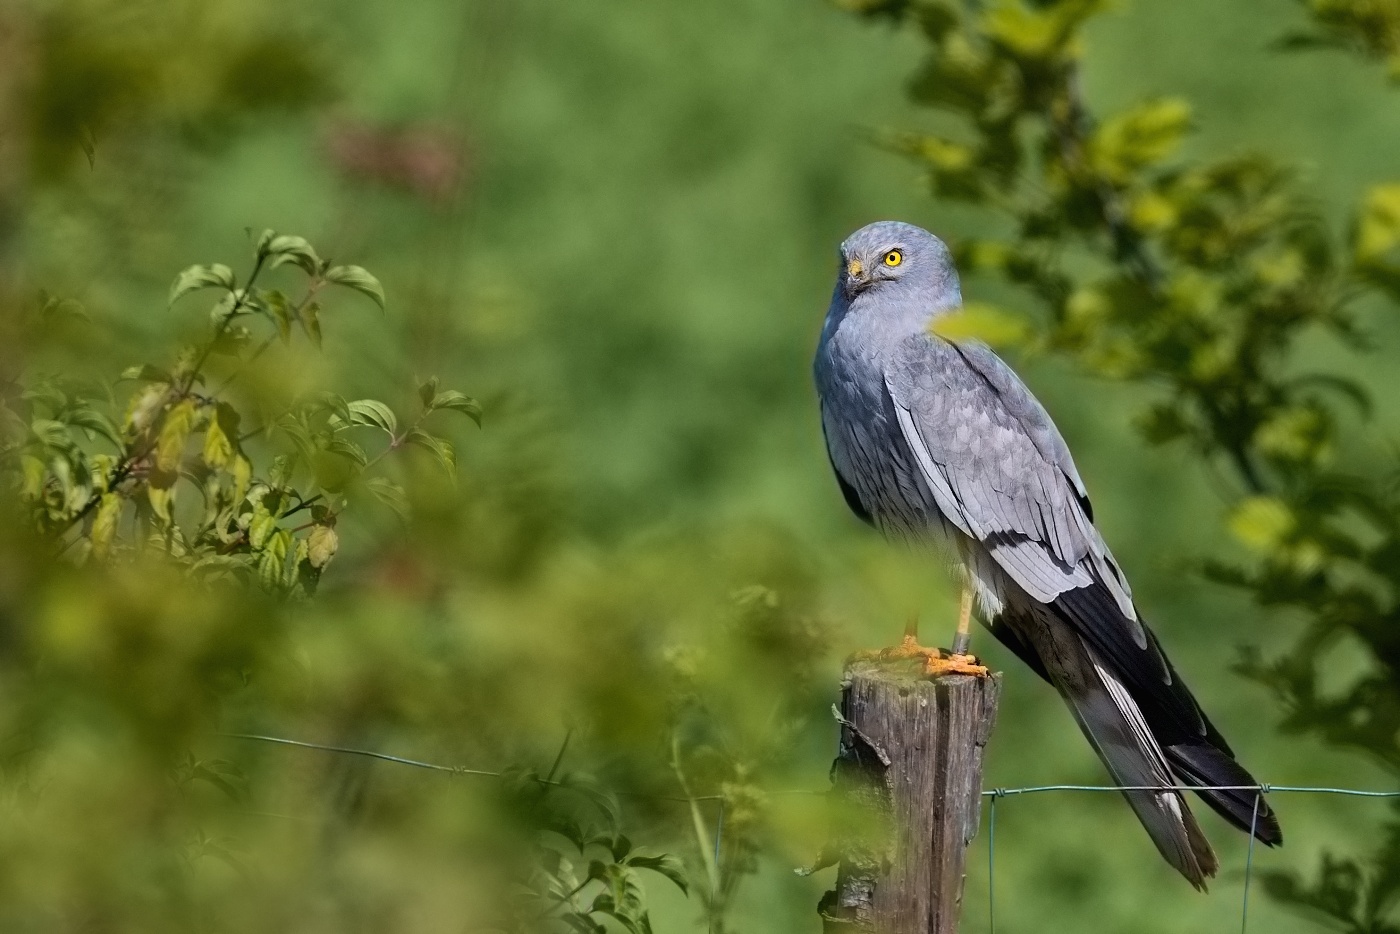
855,268
894,258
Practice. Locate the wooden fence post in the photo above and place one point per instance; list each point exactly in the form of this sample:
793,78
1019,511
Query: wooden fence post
906,787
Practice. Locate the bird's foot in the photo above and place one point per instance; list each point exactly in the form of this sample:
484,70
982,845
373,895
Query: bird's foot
908,648
936,663
951,664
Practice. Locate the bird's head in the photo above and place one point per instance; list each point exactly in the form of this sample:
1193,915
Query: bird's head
894,256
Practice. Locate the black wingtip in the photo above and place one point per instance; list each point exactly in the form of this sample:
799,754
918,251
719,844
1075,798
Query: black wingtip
1242,805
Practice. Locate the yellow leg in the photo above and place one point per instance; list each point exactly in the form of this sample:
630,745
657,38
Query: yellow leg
962,641
960,661
935,663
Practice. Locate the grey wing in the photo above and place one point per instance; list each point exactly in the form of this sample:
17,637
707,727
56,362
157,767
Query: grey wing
1000,470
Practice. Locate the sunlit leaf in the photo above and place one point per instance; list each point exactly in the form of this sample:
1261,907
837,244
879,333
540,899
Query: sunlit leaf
1262,522
104,524
242,472
296,250
201,277
374,413
321,546
1378,226
217,448
455,401
261,526
146,372
272,564
174,431
161,499
982,322
359,279
1138,137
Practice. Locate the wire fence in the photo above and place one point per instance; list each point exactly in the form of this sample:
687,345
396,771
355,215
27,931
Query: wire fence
992,796
1260,790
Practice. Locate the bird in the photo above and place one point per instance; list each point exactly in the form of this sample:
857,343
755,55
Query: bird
937,441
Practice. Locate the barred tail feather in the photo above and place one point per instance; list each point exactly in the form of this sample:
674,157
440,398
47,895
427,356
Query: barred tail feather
1115,727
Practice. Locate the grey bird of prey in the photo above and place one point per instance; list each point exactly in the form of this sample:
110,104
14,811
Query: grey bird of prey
936,440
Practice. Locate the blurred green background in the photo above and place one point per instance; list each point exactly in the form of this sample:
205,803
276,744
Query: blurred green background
615,224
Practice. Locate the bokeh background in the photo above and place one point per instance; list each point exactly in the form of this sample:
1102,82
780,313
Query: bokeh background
615,225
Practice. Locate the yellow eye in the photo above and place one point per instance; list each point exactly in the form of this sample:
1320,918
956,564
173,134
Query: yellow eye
894,258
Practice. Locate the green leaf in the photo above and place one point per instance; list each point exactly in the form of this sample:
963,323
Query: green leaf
455,401
666,864
239,301
145,406
286,249
982,322
272,565
293,428
582,923
359,279
1141,136
374,413
201,277
161,499
261,526
321,546
390,494
311,322
427,391
1262,522
174,431
146,372
104,524
217,447
1378,227
34,475
278,304
242,472
441,448
348,449
86,417
334,405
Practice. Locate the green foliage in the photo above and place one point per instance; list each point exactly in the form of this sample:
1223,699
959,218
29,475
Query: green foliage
1201,278
107,486
1370,27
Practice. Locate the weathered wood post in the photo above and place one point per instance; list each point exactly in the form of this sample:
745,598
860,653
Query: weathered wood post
907,786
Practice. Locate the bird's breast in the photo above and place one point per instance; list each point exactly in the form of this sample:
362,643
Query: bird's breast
866,445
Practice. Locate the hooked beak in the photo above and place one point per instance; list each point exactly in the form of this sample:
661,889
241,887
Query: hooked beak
857,279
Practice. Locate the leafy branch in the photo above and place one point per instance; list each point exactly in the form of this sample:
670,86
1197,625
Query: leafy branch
175,435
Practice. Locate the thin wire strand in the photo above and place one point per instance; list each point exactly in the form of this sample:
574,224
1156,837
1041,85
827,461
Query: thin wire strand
992,865
417,764
993,794
1249,861
1262,788
460,770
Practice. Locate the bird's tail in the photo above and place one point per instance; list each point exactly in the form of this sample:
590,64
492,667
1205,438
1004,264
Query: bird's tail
1115,726
1239,801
